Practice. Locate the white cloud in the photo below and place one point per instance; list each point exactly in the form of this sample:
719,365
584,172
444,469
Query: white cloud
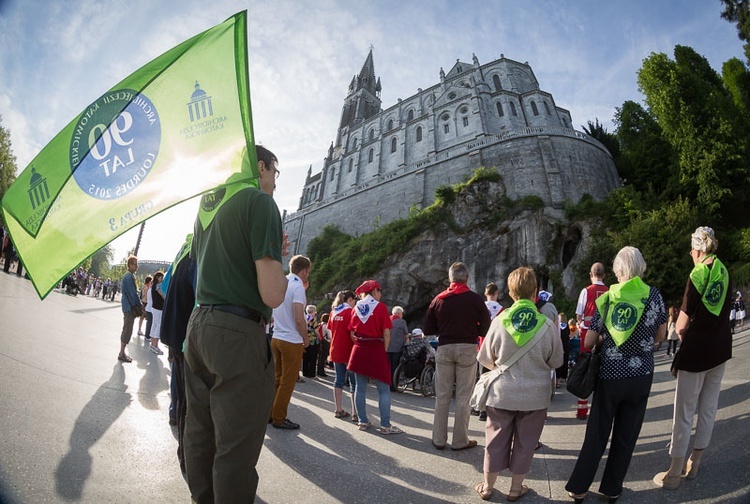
59,56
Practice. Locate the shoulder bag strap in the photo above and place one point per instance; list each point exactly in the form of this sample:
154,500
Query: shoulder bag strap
502,368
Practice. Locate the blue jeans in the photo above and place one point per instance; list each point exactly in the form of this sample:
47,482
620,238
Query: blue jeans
341,372
384,400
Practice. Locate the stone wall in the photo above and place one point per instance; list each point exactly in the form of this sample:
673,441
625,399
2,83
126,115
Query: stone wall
556,164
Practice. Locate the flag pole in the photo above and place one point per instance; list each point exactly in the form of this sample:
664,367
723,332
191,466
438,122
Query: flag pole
140,235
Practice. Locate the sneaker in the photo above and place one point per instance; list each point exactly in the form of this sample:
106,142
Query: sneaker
286,424
391,429
156,350
364,425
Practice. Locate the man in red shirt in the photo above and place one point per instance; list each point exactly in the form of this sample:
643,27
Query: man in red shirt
584,313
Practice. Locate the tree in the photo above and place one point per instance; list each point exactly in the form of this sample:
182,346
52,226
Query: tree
599,132
8,166
738,11
737,80
100,260
647,161
699,118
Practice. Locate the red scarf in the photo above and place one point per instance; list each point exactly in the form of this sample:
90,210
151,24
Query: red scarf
454,290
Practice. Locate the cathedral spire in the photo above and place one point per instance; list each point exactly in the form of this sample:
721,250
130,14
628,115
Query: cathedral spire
366,78
363,100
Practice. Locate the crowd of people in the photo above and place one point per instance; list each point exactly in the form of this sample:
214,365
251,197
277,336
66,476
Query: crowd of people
240,332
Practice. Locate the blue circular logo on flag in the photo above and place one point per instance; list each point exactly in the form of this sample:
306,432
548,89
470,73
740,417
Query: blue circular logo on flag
115,144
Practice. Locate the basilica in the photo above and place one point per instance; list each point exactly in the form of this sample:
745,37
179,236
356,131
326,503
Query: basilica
492,115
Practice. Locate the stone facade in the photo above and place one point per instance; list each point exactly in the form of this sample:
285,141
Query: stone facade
492,115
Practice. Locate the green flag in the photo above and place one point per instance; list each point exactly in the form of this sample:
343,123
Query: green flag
178,127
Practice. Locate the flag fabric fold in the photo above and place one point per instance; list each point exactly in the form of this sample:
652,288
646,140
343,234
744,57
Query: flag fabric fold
179,126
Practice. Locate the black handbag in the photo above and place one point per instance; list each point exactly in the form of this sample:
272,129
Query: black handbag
582,378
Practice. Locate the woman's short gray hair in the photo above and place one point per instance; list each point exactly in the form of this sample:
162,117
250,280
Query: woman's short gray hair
628,263
397,310
458,273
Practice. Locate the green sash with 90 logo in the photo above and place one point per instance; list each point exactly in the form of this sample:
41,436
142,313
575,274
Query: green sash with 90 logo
522,321
626,304
713,283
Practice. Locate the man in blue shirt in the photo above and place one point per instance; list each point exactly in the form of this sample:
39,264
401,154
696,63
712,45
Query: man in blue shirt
130,301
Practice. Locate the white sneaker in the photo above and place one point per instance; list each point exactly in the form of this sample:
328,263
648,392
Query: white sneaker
156,350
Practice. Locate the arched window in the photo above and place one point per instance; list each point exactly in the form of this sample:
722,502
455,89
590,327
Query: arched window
390,124
370,155
500,112
410,115
354,144
466,121
533,108
333,170
513,109
372,133
446,128
496,82
393,144
546,107
419,133
351,165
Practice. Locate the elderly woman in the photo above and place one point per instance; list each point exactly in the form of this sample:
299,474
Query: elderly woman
518,399
370,328
703,326
630,321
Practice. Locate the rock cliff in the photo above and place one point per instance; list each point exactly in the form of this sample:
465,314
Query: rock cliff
493,236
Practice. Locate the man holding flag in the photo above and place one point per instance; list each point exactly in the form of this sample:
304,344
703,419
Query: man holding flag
229,369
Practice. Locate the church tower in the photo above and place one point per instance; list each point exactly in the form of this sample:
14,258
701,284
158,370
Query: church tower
362,101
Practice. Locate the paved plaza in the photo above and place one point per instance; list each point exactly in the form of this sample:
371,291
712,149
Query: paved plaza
77,425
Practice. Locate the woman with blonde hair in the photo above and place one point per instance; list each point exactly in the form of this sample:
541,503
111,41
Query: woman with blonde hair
629,322
703,327
519,397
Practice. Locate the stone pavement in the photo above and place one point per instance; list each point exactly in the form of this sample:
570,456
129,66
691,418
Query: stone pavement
79,426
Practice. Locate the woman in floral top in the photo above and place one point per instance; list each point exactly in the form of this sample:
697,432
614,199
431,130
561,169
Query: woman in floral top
630,321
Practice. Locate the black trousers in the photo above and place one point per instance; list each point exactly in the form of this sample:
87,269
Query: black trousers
180,402
325,347
618,407
310,361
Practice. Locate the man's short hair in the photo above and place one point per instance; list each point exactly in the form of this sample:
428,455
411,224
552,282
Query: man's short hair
458,272
597,270
397,310
299,263
491,289
132,259
522,283
266,156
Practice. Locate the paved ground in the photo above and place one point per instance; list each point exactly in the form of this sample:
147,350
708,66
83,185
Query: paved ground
78,426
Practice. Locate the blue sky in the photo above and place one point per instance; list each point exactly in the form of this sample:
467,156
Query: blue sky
57,57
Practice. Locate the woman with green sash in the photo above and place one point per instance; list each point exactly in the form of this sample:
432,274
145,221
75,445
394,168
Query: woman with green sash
630,321
703,327
518,399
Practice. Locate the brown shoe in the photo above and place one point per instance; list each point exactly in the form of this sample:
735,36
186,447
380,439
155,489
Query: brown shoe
472,444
